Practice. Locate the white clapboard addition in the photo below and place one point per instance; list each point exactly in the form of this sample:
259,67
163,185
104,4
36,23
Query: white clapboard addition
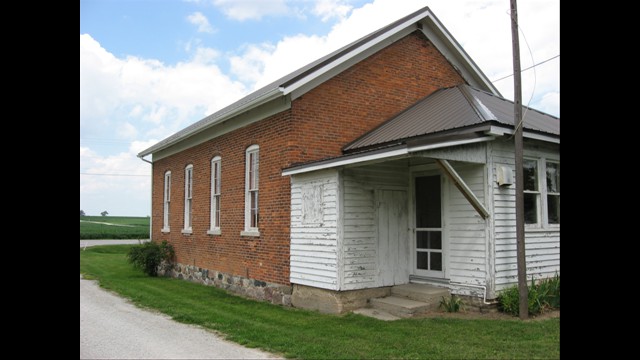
314,229
465,231
542,243
362,261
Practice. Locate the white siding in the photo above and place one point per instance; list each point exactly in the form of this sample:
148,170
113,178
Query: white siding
542,245
314,229
359,237
465,231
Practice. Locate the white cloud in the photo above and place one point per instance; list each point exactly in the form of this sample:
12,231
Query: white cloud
132,98
251,9
127,131
481,27
328,9
550,103
120,195
201,21
155,98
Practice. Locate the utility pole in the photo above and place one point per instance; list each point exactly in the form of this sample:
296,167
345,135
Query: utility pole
517,110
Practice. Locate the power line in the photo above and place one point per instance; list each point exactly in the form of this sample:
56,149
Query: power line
94,174
530,67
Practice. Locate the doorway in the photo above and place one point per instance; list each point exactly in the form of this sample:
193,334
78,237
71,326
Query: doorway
428,251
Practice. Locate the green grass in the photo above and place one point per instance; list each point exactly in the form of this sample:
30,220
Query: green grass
139,228
303,334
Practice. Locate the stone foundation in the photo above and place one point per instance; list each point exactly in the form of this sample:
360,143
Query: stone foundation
476,304
334,302
256,289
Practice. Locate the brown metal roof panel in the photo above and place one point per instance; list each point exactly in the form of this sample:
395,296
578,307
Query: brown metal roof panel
503,110
443,110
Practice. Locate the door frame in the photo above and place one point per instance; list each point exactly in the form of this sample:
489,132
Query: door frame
444,203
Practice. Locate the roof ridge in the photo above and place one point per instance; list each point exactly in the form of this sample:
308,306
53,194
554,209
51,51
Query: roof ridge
476,104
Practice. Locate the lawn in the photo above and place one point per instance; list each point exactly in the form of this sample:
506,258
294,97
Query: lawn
136,227
303,334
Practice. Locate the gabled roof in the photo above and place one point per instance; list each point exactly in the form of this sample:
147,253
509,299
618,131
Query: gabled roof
308,77
452,108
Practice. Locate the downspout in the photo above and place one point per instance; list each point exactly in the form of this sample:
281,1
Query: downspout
483,287
150,197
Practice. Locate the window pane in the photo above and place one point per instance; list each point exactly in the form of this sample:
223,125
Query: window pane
256,167
428,202
423,261
254,209
436,261
188,213
553,208
553,177
530,175
530,208
429,240
217,214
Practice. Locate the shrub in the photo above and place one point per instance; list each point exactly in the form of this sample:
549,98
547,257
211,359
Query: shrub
542,296
454,304
149,256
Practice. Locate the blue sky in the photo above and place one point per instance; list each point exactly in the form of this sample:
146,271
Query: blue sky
148,68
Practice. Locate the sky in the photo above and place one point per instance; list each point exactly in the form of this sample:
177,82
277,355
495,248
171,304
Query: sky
149,68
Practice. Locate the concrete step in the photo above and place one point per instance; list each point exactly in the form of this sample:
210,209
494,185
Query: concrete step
419,292
376,313
401,306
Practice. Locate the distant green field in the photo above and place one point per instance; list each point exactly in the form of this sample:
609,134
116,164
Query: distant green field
137,227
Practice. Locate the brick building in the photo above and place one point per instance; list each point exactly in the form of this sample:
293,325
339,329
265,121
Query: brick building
280,195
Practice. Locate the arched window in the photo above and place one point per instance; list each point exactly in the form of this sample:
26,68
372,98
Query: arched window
252,177
188,198
166,201
216,172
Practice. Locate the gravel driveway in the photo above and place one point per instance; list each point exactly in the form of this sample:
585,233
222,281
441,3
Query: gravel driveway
112,328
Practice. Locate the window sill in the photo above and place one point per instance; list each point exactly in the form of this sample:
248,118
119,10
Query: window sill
187,231
214,232
165,230
251,233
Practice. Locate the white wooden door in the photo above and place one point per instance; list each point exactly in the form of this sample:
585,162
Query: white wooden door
393,238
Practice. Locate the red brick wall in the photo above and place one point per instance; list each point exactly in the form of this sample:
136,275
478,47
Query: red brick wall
264,258
317,126
355,101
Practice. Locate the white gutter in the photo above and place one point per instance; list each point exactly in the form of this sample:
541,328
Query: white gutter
501,131
484,298
378,156
344,162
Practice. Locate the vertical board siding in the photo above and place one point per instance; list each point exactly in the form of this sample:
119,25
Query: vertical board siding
465,231
542,245
360,237
314,230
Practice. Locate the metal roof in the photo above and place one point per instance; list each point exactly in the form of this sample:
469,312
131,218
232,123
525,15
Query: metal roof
457,107
442,39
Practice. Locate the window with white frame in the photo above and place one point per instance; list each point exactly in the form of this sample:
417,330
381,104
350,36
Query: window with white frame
531,191
166,202
188,198
541,194
252,177
553,192
215,195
